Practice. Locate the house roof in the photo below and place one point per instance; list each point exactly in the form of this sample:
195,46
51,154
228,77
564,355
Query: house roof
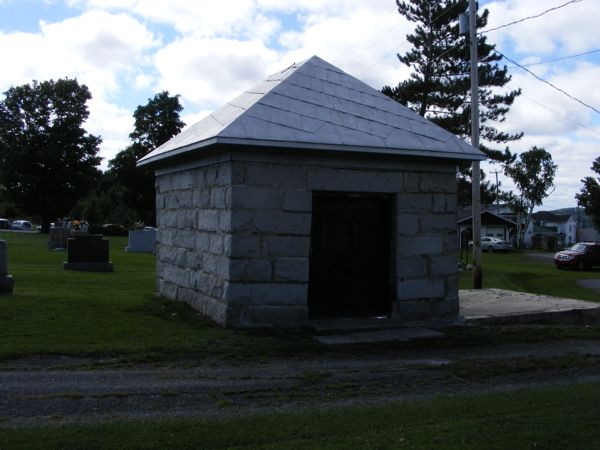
315,105
548,216
487,218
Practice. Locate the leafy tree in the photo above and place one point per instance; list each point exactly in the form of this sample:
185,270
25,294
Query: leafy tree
155,123
589,195
47,159
439,86
533,174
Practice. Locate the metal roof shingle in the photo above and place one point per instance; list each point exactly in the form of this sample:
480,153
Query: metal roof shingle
314,104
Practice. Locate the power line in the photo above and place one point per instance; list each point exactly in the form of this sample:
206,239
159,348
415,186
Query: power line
557,59
523,65
547,82
366,34
561,115
374,42
530,17
434,20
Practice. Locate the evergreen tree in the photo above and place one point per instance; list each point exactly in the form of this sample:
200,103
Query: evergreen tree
439,86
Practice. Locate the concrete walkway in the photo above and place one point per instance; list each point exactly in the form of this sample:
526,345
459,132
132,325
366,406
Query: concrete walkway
484,306
502,306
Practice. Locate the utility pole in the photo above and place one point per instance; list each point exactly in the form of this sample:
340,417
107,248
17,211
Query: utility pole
476,193
496,172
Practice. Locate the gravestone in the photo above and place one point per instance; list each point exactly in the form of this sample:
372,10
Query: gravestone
58,238
142,241
88,252
6,280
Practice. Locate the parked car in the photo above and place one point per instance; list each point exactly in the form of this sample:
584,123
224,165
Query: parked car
493,244
111,229
23,225
4,224
582,256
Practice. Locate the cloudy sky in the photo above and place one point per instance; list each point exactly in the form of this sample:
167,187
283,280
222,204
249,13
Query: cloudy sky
210,51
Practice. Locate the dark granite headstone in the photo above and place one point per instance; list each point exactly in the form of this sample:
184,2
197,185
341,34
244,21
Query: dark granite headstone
6,280
88,252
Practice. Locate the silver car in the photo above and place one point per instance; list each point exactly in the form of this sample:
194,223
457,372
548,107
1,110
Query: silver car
23,225
493,244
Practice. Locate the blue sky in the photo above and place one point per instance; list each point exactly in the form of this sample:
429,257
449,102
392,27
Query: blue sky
208,52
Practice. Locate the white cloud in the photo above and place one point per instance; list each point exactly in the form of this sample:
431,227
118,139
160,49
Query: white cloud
113,124
97,48
209,72
570,29
209,52
103,51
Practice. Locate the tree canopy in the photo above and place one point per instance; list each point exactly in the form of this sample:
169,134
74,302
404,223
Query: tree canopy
533,174
127,193
439,86
157,121
47,159
589,195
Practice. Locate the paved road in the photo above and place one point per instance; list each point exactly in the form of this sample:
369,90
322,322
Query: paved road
41,391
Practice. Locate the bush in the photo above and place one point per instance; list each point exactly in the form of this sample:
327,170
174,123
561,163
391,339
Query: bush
111,229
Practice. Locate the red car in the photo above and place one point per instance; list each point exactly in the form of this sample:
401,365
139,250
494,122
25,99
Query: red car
581,256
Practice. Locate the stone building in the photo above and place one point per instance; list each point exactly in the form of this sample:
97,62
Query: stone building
310,196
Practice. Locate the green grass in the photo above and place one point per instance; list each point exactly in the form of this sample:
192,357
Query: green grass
516,271
550,418
57,311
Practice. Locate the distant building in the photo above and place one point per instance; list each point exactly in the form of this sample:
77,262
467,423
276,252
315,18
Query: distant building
496,221
553,231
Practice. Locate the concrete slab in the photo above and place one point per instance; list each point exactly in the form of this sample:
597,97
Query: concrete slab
392,335
502,306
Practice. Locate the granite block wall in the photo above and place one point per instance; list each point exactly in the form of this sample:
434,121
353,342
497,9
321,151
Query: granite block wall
234,237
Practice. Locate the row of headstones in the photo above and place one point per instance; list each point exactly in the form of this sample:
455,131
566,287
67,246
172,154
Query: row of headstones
140,241
85,252
90,251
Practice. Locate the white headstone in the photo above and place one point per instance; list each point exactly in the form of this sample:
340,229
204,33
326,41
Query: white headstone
142,241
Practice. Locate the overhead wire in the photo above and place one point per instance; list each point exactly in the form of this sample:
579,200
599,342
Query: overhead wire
557,59
561,115
530,17
547,82
336,59
434,20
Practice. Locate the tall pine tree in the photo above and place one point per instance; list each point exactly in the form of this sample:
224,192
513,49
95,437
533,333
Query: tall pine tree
439,86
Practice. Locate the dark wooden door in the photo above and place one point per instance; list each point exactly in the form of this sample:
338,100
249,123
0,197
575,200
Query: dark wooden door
350,259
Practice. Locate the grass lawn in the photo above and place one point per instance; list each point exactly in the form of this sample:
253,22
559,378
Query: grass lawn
550,418
57,311
516,271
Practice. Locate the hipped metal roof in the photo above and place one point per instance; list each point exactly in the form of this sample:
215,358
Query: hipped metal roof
315,105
